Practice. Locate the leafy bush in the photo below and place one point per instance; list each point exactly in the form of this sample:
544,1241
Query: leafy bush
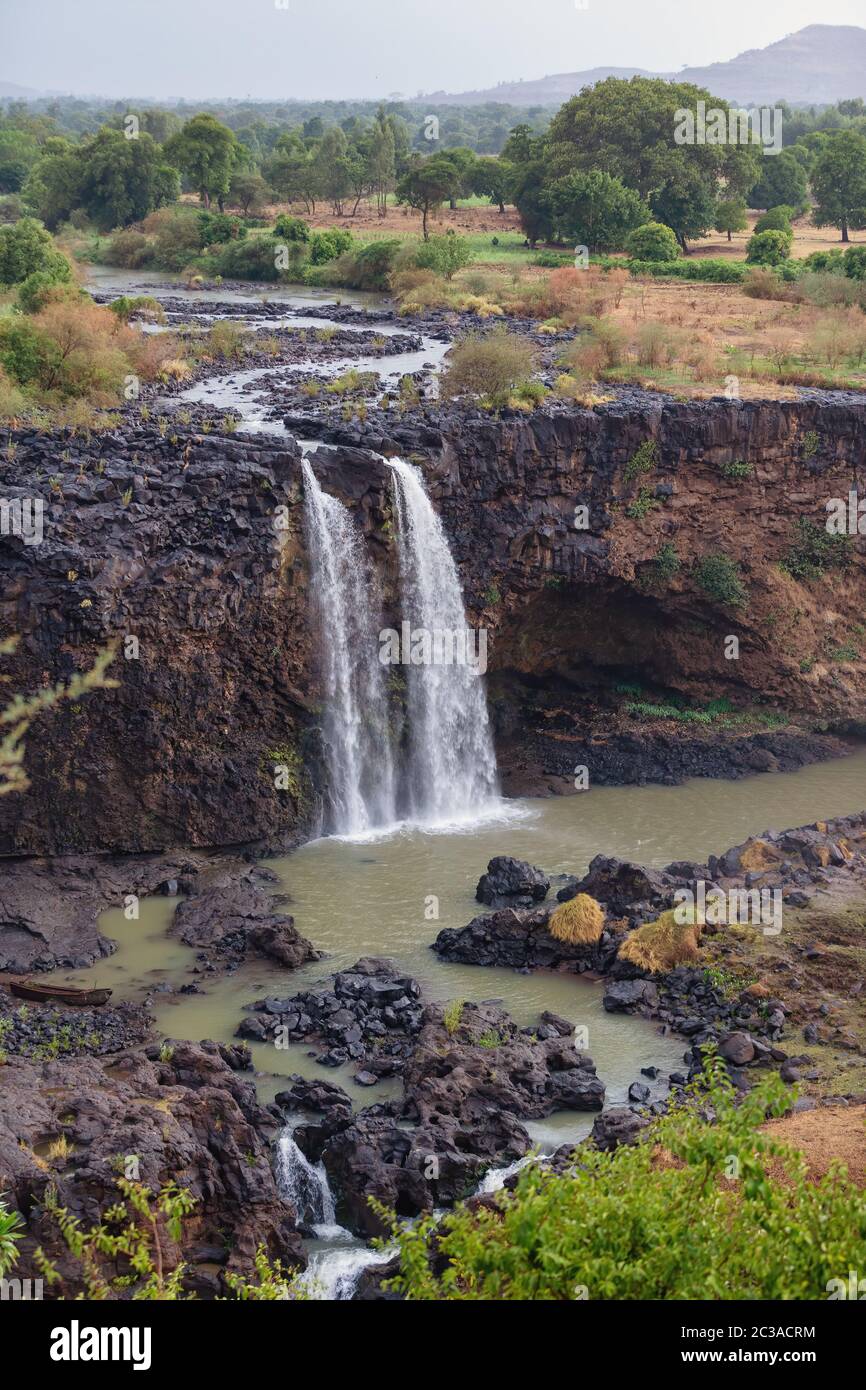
855,262
624,1226
768,248
129,249
41,287
653,242
493,365
815,550
26,247
706,269
217,227
291,228
719,577
776,220
327,246
445,254
177,239
253,259
643,460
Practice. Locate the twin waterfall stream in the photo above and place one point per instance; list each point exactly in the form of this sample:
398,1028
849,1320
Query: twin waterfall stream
445,773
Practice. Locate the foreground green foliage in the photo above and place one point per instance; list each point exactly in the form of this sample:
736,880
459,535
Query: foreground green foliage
704,1221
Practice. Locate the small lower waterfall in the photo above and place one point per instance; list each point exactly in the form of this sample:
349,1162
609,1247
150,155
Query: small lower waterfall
357,744
338,1258
451,773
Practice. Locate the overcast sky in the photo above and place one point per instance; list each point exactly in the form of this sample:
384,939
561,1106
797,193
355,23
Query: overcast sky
371,48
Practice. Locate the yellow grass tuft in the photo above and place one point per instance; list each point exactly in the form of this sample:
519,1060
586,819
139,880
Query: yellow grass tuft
663,944
579,921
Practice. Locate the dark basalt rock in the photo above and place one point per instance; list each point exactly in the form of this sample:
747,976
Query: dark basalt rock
235,919
511,883
370,1015
618,1125
465,1092
192,1119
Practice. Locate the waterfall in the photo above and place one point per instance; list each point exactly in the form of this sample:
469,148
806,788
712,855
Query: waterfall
304,1185
451,771
356,739
337,1259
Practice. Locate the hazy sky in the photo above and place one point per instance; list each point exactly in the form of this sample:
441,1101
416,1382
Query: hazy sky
371,48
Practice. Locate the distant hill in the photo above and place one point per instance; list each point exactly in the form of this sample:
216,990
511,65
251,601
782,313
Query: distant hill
820,64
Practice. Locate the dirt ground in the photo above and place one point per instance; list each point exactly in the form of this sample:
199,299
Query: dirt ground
824,1136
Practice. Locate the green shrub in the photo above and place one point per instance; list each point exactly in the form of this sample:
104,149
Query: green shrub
43,285
666,563
815,550
445,254
713,271
736,470
291,228
653,242
622,1226
776,220
643,460
492,365
129,249
26,247
253,259
217,227
719,577
768,248
855,262
327,246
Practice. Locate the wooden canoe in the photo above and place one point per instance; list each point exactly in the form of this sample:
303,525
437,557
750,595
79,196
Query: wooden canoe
60,994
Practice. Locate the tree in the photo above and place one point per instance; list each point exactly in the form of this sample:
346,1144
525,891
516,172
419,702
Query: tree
53,186
492,178
18,154
292,172
204,151
596,210
25,248
839,183
383,159
248,191
464,161
731,216
426,185
783,182
628,129
123,180
334,167
653,242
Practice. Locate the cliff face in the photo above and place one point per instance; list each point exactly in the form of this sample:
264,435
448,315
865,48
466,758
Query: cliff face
194,546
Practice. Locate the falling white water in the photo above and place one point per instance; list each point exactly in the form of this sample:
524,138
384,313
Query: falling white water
356,738
337,1258
451,771
304,1185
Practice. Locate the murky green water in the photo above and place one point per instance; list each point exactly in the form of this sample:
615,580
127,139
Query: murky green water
390,896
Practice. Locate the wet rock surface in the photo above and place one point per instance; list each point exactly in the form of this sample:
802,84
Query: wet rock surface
470,1081
511,883
192,1118
236,918
370,1015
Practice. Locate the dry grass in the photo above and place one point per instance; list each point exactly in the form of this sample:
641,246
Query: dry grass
662,945
580,921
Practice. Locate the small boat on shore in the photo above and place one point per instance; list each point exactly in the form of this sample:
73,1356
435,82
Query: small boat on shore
59,994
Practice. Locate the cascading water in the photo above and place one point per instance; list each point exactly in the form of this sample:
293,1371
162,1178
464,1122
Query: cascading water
356,738
451,770
337,1259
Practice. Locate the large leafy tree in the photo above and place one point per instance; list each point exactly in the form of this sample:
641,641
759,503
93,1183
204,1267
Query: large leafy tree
627,129
53,186
123,180
596,210
492,178
783,182
839,182
25,248
19,152
205,152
